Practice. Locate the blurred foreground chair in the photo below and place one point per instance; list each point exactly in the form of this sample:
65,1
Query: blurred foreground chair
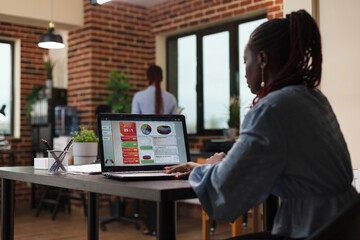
344,226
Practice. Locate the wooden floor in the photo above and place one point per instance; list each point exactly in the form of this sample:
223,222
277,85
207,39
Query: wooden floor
74,226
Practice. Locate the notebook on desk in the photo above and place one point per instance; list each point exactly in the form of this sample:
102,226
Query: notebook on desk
139,146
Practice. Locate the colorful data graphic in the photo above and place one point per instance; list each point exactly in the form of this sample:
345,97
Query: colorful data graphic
163,129
129,143
128,128
146,129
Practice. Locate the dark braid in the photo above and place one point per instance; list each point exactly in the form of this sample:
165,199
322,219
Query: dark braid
154,74
296,43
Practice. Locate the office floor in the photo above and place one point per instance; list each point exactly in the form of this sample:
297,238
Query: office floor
74,226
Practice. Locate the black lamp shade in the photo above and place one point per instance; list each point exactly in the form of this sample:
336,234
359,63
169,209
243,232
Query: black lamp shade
2,110
50,40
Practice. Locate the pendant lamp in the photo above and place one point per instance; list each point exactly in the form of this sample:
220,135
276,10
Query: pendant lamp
2,110
51,40
98,2
2,113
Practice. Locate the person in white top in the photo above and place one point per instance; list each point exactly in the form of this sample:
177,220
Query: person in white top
154,100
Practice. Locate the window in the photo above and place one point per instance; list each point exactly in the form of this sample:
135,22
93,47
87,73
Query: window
6,90
205,69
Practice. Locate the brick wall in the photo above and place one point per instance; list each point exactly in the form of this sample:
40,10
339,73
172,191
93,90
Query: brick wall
181,14
32,74
114,36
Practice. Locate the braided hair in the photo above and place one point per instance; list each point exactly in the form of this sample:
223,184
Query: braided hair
295,43
154,74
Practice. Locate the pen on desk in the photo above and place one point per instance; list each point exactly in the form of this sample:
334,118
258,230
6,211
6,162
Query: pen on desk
46,144
53,154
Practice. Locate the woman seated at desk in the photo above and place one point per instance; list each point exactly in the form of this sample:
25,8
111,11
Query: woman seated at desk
290,142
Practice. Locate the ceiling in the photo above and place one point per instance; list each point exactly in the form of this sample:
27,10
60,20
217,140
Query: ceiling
144,3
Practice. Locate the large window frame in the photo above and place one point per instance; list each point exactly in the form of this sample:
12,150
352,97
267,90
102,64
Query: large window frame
10,109
172,71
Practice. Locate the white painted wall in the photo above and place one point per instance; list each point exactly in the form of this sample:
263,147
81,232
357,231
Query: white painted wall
341,71
67,14
294,5
339,25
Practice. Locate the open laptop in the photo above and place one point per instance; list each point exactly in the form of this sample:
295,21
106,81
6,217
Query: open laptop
139,146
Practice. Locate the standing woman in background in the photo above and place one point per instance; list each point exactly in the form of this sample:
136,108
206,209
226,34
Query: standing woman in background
153,100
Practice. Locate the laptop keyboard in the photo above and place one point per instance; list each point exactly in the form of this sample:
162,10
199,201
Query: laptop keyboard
135,172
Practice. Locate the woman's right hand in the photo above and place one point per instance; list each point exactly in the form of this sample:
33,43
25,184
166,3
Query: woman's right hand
182,170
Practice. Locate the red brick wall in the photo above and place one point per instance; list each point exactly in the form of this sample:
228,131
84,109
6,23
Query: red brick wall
114,36
182,14
32,74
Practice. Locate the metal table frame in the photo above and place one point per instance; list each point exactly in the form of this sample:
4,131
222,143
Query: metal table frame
165,193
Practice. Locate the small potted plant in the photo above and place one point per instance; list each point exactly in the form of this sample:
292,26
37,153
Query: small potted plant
85,146
234,119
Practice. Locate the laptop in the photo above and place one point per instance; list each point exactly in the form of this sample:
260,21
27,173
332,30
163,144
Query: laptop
139,146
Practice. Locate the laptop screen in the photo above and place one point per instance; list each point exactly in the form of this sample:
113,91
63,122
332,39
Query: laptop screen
138,142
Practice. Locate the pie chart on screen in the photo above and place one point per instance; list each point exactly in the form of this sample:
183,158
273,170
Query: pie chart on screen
146,129
164,129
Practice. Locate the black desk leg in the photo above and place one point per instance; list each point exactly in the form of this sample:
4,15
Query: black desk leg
7,209
166,221
93,218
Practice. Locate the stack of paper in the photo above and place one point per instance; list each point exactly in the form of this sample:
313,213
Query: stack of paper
85,169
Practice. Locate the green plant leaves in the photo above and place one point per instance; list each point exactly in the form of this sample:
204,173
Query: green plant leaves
85,135
120,98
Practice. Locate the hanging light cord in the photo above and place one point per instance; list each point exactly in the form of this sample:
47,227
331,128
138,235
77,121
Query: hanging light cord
51,24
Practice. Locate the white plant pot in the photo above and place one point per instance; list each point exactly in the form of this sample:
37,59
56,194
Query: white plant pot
85,152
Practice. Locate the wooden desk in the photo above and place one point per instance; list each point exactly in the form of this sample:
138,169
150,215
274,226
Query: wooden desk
165,193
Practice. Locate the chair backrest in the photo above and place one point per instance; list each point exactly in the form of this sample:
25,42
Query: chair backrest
345,226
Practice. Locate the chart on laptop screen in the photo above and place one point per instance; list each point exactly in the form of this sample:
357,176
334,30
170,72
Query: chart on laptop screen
138,143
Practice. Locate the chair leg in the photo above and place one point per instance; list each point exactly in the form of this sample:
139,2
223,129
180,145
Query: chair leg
58,201
65,193
41,203
82,196
205,226
136,208
237,227
212,227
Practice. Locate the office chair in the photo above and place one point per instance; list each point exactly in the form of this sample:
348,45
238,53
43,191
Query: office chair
344,226
57,197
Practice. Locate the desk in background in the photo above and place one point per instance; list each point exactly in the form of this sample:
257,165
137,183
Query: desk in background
164,193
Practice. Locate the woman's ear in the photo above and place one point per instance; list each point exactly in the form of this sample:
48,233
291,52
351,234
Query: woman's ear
262,59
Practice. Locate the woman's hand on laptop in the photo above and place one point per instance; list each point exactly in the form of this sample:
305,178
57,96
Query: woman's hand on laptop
217,157
183,170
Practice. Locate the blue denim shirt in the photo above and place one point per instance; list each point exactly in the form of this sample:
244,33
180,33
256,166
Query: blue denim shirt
290,145
144,102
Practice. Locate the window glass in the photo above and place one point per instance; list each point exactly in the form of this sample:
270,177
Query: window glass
6,65
204,69
187,80
246,97
216,80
